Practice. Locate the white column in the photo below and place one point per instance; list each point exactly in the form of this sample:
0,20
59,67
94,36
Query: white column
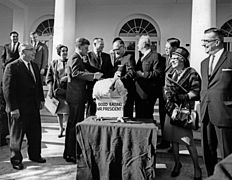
64,25
20,23
203,17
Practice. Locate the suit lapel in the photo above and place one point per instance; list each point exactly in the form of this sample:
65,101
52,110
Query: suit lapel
205,70
25,69
146,57
218,65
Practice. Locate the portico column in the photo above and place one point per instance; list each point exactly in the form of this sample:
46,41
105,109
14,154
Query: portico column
20,23
203,17
64,25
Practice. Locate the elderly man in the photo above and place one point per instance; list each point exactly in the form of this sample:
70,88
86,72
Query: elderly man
24,97
216,96
76,94
100,62
149,79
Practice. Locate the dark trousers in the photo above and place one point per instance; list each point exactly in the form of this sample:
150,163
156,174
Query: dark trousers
213,137
91,107
76,114
29,124
144,108
162,115
129,105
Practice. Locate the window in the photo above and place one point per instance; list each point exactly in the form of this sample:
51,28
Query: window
132,29
227,29
46,28
136,27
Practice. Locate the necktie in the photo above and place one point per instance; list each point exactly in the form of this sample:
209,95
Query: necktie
99,59
212,57
30,71
13,47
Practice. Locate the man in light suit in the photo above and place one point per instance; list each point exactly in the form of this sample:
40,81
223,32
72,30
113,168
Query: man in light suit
216,99
101,62
10,51
149,78
24,97
41,56
76,95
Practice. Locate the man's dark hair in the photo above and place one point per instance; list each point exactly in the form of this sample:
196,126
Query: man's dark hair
81,42
174,42
118,39
218,33
14,32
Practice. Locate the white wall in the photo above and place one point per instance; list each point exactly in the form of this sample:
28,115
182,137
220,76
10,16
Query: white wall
101,21
6,18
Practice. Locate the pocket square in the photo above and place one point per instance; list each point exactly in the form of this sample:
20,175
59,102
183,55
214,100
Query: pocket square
227,69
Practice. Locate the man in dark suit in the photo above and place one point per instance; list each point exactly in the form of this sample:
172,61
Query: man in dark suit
125,73
24,97
76,94
171,45
148,81
41,56
216,99
100,62
10,51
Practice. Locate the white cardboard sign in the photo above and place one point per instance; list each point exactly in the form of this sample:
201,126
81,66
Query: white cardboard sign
109,107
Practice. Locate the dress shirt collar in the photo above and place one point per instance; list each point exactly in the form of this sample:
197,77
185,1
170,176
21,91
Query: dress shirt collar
26,63
216,58
145,54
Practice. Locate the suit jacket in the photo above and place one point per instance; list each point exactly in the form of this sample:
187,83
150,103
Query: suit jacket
153,68
102,64
76,89
216,92
9,55
41,56
127,75
19,88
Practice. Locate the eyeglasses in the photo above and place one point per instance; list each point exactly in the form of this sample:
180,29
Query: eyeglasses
118,48
208,40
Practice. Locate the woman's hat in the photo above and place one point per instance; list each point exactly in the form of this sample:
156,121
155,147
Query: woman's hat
181,51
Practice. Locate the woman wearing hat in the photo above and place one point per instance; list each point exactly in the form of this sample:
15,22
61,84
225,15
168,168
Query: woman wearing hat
189,79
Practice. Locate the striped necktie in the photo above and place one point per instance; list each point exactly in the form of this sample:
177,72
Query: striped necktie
212,57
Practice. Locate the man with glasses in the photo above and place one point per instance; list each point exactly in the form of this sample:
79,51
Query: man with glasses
124,64
23,92
216,98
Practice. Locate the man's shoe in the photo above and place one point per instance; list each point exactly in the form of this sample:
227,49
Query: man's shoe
70,159
18,166
163,145
39,160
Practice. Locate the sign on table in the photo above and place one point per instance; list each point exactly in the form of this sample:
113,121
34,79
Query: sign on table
110,107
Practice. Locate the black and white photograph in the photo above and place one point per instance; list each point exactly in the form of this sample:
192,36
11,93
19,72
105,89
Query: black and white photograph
115,90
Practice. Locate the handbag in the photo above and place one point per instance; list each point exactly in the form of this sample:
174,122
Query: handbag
59,88
185,117
60,93
51,104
